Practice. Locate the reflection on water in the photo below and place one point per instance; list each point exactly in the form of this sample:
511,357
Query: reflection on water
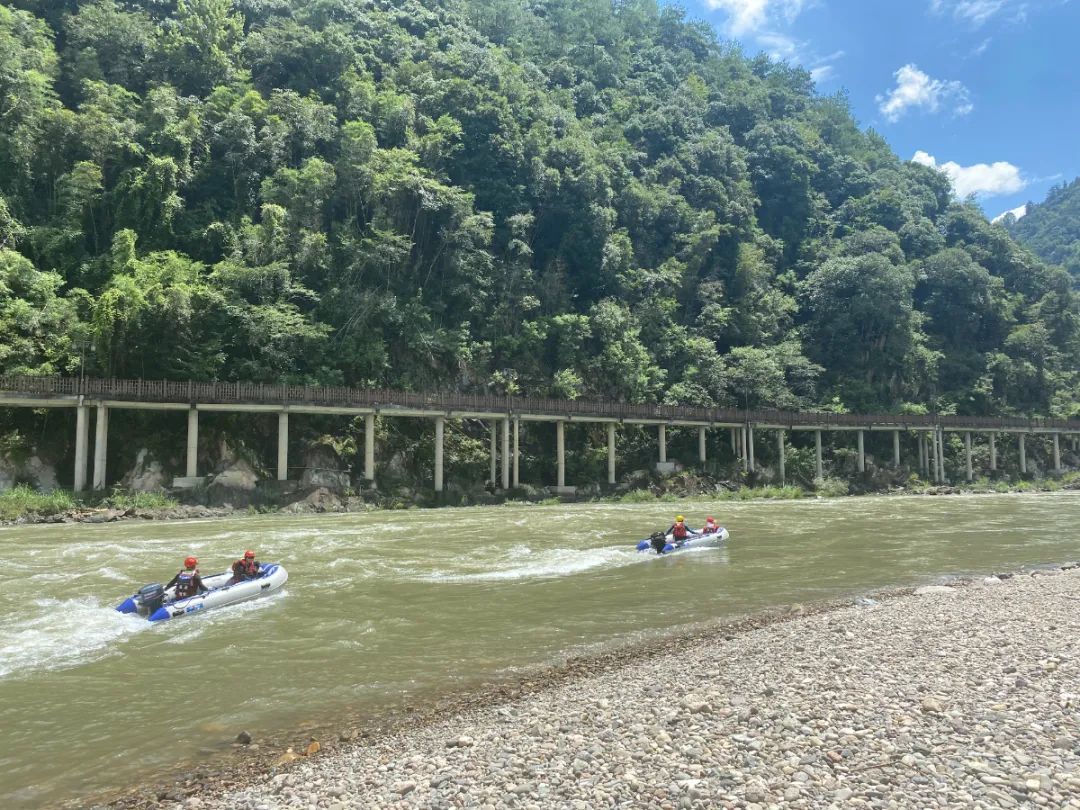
384,605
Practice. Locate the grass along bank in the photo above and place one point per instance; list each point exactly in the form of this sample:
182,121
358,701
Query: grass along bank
22,501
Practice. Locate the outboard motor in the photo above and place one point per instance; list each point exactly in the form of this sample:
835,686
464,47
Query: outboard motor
149,599
659,541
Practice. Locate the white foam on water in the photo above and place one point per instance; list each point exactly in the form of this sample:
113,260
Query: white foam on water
548,564
58,633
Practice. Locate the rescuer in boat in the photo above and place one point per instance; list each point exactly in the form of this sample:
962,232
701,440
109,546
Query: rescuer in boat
247,567
187,581
710,526
679,531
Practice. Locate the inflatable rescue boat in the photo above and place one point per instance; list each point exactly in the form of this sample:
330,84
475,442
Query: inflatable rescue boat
157,603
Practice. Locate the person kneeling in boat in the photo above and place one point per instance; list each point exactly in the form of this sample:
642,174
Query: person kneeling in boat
245,568
187,581
710,526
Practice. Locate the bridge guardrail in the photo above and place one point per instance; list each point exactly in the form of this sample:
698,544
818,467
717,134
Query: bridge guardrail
340,396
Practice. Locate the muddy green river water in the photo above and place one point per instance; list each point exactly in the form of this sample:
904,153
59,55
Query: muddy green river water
392,606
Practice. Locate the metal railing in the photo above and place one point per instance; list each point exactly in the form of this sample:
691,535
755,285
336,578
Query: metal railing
384,399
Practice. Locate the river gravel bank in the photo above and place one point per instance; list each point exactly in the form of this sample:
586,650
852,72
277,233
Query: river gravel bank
964,696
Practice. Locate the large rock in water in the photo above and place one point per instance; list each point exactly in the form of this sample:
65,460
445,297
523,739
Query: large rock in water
324,469
147,474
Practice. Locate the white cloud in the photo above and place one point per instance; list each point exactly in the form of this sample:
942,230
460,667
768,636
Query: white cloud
980,179
778,46
975,12
750,16
916,89
1017,212
764,22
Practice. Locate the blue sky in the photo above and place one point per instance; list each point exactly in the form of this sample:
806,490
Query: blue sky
986,90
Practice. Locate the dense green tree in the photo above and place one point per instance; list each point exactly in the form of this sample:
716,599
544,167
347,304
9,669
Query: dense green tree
570,198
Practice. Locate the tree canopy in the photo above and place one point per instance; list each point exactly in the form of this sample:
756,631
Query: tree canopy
578,198
1052,228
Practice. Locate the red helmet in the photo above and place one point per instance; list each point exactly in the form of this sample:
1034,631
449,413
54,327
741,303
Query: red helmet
249,555
191,562
710,520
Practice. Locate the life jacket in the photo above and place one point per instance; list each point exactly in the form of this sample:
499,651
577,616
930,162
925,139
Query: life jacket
710,528
245,567
185,584
679,532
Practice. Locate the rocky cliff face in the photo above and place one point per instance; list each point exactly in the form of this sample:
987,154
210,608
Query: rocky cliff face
35,471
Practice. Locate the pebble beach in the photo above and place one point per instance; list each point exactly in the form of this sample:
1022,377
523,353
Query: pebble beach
950,696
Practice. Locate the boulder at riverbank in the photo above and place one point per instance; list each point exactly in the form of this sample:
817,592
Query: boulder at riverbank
964,697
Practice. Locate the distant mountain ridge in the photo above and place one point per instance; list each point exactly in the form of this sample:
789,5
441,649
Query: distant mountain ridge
1052,228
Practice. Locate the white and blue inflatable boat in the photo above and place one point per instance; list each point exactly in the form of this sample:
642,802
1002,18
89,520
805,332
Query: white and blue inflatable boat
666,544
158,604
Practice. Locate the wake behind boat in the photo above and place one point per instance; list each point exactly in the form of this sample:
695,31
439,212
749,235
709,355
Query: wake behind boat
157,603
660,543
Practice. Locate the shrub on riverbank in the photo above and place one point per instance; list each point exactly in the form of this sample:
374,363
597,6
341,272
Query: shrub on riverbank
138,500
21,500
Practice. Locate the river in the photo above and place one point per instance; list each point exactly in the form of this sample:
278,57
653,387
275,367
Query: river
391,606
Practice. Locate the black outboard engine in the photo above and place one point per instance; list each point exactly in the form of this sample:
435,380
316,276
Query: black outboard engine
149,599
658,540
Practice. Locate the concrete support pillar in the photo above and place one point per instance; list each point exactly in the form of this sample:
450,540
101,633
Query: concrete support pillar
192,443
82,443
283,446
493,441
817,455
896,448
560,452
1057,453
932,458
967,455
101,443
662,439
750,447
506,453
611,453
517,452
369,448
742,449
440,429
921,442
734,444
862,452
701,444
780,456
1023,456
941,455
993,451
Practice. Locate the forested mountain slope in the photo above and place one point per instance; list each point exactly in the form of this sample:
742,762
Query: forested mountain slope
566,197
1052,228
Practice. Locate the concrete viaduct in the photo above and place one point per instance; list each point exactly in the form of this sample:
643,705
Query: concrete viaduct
505,414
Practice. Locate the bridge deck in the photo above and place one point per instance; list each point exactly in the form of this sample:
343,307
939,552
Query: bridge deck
46,392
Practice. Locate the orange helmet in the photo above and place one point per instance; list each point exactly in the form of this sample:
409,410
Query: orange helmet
191,562
249,555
